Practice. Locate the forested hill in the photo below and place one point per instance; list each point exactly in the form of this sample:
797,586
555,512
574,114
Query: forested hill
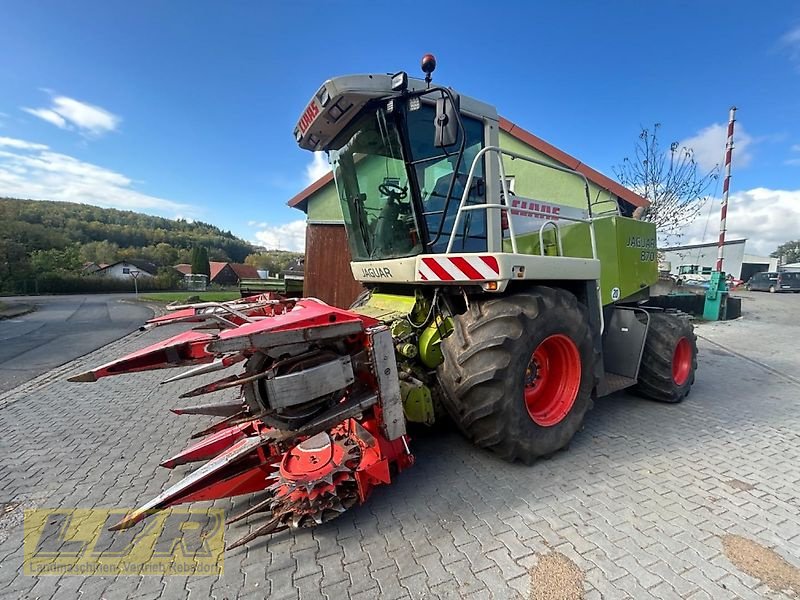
107,234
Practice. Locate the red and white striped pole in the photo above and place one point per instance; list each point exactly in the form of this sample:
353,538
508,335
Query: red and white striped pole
725,187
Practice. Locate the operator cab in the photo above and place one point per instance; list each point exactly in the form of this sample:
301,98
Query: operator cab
401,151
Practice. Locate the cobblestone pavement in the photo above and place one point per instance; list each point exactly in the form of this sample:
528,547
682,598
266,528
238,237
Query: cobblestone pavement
639,502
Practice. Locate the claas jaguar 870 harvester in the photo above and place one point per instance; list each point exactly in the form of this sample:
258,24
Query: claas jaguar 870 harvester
507,316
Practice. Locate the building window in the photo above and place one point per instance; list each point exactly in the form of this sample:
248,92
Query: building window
126,270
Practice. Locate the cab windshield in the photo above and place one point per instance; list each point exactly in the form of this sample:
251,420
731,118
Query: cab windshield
371,176
378,177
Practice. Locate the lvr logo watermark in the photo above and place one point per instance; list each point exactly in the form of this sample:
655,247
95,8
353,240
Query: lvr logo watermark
77,542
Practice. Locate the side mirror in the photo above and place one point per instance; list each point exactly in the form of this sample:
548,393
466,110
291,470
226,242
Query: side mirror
446,122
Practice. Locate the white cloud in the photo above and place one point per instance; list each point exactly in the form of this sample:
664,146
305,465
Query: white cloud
317,168
68,113
792,36
20,144
288,236
31,170
48,115
791,42
766,217
793,161
708,145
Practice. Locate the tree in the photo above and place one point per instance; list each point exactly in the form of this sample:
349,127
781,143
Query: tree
54,260
206,263
165,255
168,278
200,264
14,262
218,254
104,235
273,261
788,252
100,252
670,179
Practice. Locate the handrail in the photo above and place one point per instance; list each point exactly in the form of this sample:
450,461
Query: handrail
499,153
221,306
503,206
557,234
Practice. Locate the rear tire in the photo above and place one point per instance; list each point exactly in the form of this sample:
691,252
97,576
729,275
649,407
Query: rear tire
518,372
772,289
669,360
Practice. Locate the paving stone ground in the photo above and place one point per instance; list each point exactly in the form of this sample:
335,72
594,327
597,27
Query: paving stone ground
639,502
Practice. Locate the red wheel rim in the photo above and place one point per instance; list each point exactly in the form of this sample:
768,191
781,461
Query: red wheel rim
681,361
552,380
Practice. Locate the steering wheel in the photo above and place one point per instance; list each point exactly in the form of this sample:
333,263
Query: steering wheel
393,190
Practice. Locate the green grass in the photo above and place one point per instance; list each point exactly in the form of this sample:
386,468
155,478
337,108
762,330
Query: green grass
181,296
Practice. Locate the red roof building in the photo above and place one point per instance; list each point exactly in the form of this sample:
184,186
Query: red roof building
224,273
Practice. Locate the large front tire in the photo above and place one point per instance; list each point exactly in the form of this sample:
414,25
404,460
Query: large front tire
518,372
669,360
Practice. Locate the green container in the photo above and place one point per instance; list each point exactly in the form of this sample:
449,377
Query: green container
626,249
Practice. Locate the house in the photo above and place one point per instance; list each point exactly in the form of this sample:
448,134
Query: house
90,268
294,277
125,269
736,261
327,264
224,273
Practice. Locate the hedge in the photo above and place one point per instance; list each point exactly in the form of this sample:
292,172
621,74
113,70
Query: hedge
56,283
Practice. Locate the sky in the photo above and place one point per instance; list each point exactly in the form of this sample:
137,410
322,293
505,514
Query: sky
186,109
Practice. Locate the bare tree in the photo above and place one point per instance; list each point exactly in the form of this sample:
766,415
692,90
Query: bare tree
669,179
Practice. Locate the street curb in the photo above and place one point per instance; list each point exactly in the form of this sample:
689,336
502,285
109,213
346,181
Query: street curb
17,311
157,308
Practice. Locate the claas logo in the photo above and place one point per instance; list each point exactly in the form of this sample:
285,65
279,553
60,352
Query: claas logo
78,542
308,117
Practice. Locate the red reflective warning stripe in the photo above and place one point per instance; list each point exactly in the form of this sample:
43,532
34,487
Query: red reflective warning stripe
491,262
437,269
466,268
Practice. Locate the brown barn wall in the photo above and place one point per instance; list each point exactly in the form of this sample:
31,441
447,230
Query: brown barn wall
327,266
226,276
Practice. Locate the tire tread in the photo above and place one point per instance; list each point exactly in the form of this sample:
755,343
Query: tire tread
480,371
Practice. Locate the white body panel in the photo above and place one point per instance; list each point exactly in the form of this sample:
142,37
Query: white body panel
477,268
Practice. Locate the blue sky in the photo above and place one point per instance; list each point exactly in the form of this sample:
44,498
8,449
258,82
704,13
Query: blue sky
187,108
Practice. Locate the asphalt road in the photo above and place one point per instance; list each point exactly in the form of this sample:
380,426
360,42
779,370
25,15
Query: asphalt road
61,329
